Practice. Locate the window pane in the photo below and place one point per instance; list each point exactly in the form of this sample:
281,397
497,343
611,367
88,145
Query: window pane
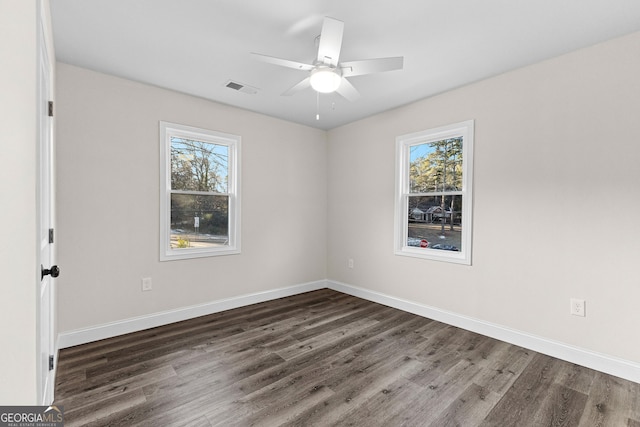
199,221
198,165
436,166
435,222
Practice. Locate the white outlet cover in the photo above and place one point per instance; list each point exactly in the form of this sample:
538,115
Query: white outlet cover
578,307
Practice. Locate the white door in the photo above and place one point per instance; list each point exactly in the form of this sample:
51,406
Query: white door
46,269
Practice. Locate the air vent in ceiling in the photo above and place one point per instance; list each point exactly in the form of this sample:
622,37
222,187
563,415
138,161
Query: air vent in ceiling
241,87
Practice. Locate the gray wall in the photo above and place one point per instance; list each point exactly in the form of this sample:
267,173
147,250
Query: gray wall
556,200
108,202
555,212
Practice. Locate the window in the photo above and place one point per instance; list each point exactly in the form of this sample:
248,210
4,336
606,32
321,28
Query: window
433,193
199,192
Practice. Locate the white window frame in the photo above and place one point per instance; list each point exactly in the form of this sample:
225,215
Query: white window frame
403,146
167,130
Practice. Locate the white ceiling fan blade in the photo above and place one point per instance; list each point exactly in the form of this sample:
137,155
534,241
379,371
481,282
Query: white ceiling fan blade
282,62
347,90
370,66
297,88
330,41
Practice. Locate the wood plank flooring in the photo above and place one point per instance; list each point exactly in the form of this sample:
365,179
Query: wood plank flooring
324,358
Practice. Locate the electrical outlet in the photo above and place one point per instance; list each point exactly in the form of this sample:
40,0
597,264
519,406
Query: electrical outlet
146,284
350,263
578,307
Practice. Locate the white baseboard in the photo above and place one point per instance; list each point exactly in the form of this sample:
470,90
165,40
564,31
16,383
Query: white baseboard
600,362
112,329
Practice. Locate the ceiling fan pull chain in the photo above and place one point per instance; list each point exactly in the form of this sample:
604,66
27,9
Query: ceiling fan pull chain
317,105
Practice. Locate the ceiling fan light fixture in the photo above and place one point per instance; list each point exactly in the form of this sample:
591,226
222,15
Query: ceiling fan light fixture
325,80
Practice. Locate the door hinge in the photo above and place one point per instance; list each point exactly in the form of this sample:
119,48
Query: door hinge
51,235
51,362
50,108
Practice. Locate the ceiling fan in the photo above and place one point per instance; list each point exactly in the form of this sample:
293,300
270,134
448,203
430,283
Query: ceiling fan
327,74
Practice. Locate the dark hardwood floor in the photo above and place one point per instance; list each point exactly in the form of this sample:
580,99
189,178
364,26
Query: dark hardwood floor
325,358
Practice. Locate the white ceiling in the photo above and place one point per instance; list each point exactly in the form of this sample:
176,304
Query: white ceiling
197,46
